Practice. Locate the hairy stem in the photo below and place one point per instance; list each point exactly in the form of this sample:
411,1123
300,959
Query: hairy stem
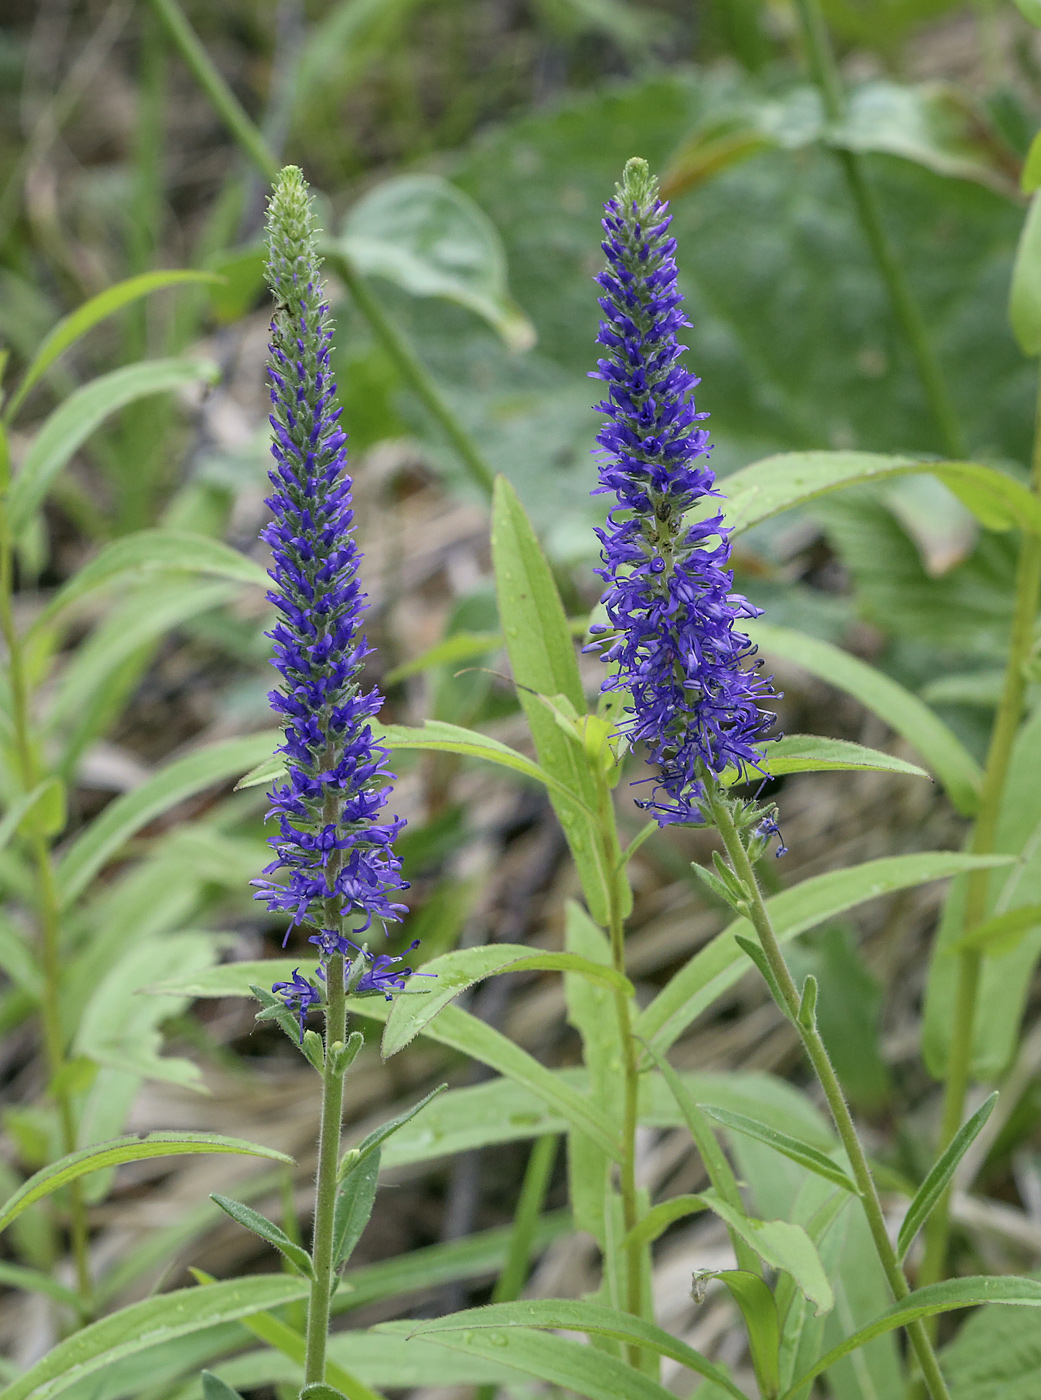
47,909
250,138
836,1099
906,310
999,757
325,1192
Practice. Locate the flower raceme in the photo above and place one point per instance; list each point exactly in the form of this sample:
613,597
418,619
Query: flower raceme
334,846
673,639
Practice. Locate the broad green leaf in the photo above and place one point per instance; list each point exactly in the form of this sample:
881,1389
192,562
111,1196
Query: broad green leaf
944,754
781,1245
542,655
801,1152
1024,302
591,1318
74,420
759,1311
1002,932
147,1324
929,1302
122,819
70,328
660,1217
764,489
128,1149
721,963
427,236
454,972
939,1175
150,551
809,753
268,1231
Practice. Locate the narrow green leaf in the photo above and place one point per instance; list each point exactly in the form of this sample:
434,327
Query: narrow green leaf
268,1231
70,328
35,1281
269,770
942,751
720,964
123,818
454,972
451,650
759,1311
33,804
1030,179
127,1149
375,1140
464,1329
790,1147
318,1390
809,753
660,1217
1024,303
440,736
147,1324
542,655
764,489
926,1302
932,1188
354,1202
1003,932
152,551
782,1246
213,1388
74,420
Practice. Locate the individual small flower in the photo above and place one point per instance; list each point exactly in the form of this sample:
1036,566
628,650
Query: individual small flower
673,642
381,976
334,847
299,996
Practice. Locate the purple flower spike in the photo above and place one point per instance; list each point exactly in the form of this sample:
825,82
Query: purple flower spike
334,850
672,640
299,996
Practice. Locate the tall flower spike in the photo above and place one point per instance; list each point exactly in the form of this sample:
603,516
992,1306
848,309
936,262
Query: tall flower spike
673,642
334,853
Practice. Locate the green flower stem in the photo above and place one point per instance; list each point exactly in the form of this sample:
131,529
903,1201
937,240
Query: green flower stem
819,1059
905,308
325,1194
253,144
48,911
999,757
617,900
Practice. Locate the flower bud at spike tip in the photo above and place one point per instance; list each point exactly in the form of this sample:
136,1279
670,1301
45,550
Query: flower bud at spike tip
334,847
673,641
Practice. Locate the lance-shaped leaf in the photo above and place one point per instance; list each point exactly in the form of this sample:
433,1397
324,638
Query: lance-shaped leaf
592,1318
943,752
452,973
268,1231
790,1147
927,1302
72,327
810,753
935,1183
759,1311
73,421
115,1153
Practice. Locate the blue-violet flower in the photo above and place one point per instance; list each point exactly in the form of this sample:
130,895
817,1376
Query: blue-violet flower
673,640
334,848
